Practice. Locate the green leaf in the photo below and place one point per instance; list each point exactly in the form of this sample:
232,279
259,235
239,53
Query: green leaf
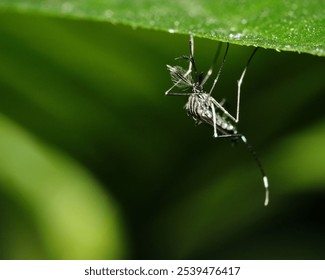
278,24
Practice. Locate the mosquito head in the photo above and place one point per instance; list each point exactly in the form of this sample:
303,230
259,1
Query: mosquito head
197,88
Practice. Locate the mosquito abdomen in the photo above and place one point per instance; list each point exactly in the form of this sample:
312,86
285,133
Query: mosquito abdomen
200,108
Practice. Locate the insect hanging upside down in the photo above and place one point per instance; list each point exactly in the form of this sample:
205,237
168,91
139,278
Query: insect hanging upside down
204,108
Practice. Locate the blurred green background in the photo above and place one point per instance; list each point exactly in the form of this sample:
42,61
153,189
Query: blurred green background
96,163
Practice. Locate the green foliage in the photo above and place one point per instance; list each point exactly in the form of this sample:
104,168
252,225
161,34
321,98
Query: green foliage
95,162
277,24
74,218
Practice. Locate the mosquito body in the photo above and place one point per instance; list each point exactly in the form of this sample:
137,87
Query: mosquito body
204,108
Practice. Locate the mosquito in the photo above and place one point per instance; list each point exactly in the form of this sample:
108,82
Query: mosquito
204,108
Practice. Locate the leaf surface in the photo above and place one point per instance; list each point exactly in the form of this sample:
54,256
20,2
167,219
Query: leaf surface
277,24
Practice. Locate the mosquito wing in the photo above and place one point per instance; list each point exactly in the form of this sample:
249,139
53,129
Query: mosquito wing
180,77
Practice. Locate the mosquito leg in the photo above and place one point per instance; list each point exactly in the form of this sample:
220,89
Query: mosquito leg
191,58
220,69
239,83
220,106
257,160
259,164
207,76
178,93
170,93
215,133
189,70
223,101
